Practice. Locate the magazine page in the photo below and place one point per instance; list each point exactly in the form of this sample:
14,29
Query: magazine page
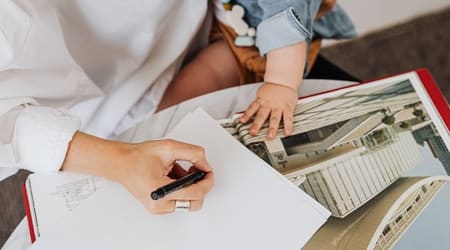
354,148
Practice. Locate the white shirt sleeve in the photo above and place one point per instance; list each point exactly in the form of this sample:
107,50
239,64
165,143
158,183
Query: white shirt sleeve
34,138
36,68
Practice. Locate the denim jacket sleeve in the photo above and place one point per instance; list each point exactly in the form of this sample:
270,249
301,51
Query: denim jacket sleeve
286,22
291,25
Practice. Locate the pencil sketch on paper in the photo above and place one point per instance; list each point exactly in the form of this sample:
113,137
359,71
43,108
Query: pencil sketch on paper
75,192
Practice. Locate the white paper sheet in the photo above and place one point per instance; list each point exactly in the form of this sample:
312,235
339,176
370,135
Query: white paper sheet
55,197
250,207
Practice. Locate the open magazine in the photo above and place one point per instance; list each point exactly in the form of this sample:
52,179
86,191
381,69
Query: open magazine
350,145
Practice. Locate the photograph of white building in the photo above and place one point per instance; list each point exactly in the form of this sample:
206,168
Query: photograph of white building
380,223
348,148
350,152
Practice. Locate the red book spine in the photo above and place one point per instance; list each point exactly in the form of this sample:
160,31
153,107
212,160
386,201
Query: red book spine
435,94
26,203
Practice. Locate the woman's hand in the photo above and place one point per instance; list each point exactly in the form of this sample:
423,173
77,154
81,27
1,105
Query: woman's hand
141,168
153,165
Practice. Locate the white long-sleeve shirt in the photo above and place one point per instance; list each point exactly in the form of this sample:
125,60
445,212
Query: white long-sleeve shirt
98,66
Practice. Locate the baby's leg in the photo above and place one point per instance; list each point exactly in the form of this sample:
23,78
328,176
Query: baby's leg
212,69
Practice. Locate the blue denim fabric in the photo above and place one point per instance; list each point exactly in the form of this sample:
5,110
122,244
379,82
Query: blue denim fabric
281,23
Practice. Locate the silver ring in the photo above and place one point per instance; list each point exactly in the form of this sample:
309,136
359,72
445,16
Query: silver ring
182,206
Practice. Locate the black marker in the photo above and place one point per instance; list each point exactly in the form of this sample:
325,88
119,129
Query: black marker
178,184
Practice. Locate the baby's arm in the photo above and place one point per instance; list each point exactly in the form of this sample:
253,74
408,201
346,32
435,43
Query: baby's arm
277,97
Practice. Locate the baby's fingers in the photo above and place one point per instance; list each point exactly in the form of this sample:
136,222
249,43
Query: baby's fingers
251,110
288,120
261,117
275,117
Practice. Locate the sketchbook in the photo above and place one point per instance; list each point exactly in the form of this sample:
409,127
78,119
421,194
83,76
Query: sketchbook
250,207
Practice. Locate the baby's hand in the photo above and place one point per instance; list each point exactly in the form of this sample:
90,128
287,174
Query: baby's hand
274,101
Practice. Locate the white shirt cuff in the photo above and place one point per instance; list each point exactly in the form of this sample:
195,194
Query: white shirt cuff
41,138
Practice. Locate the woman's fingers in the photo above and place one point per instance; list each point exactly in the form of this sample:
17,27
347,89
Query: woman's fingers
196,191
196,205
188,152
168,206
161,206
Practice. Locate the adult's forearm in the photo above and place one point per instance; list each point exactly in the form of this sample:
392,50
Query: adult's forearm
95,156
141,167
